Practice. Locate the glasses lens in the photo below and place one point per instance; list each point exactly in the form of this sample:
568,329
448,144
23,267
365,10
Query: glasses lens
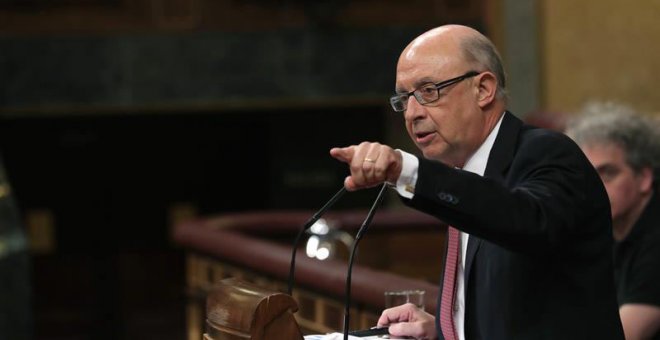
399,102
427,94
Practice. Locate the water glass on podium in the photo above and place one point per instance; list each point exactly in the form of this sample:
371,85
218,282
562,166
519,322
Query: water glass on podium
416,297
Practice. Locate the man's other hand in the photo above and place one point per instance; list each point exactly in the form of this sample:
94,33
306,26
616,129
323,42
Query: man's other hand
408,320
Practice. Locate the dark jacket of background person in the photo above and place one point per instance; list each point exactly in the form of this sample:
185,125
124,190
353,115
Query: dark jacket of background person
637,260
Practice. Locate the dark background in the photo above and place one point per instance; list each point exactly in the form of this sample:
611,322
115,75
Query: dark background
109,182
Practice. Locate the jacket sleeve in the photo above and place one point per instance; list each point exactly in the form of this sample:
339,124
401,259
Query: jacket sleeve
549,195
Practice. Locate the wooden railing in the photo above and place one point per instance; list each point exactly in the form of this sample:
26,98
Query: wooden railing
255,247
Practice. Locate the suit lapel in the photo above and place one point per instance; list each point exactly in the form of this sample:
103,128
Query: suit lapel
499,160
504,147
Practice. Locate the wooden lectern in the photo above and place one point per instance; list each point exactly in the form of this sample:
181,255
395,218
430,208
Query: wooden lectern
236,310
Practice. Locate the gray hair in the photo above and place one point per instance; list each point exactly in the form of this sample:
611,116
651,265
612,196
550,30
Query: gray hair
612,123
480,51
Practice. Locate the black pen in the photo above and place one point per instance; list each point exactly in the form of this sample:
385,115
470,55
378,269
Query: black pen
370,332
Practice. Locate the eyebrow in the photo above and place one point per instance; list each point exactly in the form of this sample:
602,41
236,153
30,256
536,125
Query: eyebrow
606,167
417,84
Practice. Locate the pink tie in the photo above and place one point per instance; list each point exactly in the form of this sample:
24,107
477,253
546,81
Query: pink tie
449,286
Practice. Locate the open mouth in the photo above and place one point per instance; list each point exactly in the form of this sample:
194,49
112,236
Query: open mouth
423,137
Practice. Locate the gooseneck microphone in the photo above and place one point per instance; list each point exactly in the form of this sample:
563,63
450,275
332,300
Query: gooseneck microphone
358,236
304,228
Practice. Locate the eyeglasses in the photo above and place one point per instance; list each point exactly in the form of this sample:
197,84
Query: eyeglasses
427,93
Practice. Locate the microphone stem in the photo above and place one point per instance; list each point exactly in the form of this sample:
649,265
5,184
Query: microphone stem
306,226
358,236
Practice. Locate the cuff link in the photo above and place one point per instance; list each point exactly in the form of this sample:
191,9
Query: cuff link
449,198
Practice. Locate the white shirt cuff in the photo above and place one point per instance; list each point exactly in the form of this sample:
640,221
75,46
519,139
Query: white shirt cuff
405,185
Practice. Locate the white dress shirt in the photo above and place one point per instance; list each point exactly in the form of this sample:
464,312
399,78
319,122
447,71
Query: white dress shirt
405,186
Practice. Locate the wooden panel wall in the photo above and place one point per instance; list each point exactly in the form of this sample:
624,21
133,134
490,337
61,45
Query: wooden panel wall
600,49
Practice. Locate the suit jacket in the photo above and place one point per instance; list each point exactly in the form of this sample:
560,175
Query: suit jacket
539,263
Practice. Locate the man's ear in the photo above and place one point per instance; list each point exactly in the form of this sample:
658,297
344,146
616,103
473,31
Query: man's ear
645,178
487,87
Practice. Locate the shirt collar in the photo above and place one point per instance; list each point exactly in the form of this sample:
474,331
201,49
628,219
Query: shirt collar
477,162
647,221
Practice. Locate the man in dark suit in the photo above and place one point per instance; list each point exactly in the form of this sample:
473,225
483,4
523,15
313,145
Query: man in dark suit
529,247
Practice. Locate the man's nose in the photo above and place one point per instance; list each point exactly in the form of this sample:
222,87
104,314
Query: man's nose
414,110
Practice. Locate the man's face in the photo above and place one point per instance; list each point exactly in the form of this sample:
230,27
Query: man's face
625,187
452,128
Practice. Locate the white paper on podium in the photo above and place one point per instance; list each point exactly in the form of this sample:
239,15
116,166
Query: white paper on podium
340,336
331,336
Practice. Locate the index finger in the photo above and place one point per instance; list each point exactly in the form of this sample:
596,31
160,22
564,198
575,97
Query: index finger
343,154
